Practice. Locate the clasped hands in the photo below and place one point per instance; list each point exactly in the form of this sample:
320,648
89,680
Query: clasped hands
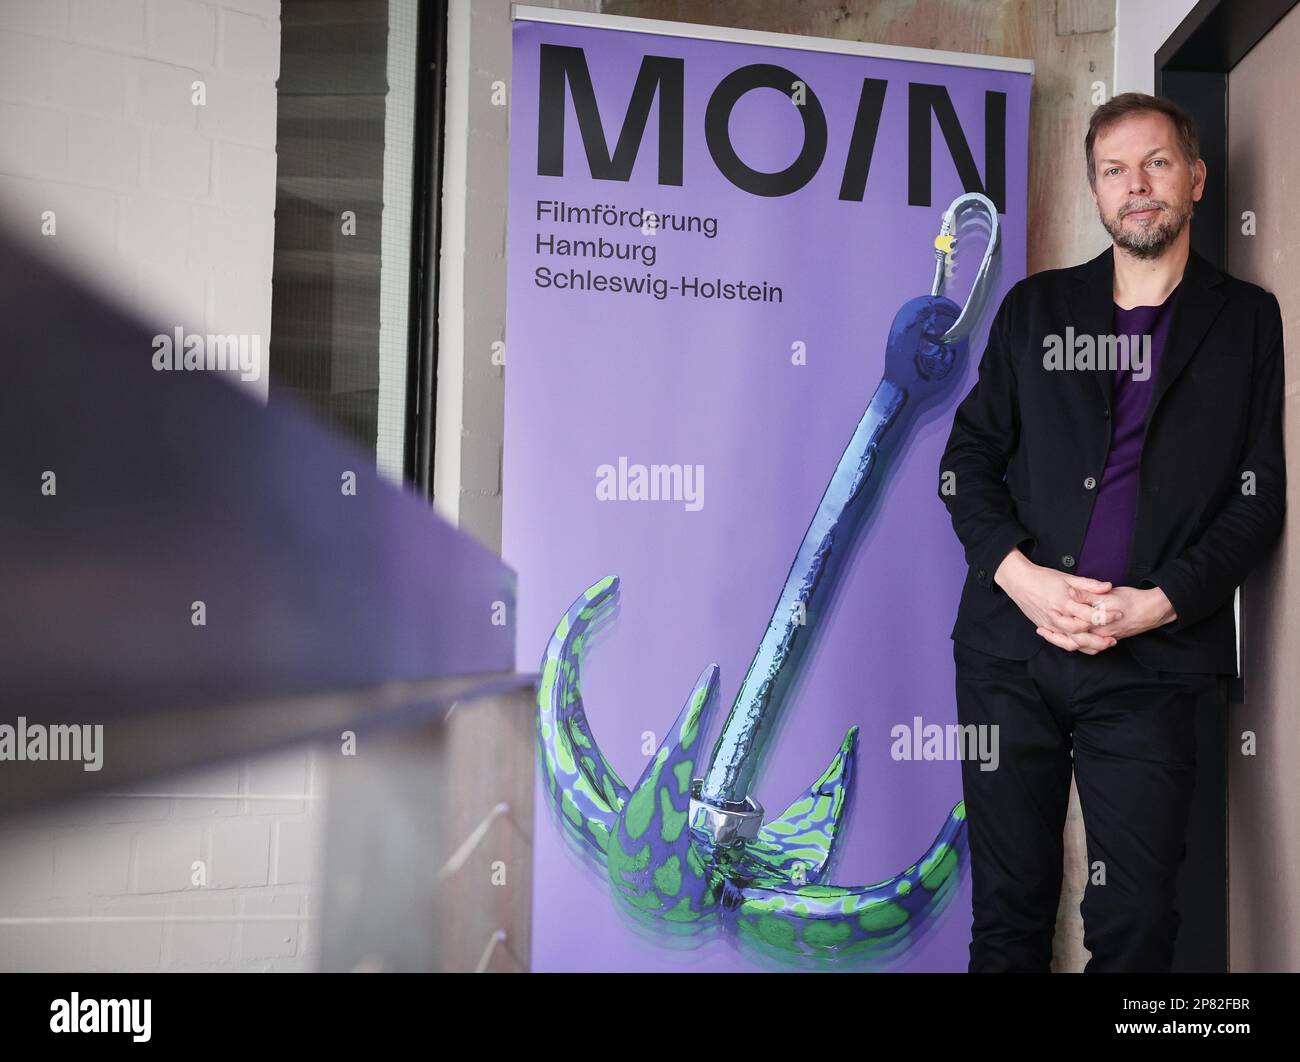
1076,613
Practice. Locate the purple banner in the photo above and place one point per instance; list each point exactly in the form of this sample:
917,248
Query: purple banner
702,285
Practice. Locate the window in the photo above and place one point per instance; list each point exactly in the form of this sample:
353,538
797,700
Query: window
355,239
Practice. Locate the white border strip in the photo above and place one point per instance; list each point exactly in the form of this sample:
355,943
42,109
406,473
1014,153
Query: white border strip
529,13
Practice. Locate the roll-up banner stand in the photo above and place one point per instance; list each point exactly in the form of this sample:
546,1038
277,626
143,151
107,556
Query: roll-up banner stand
751,276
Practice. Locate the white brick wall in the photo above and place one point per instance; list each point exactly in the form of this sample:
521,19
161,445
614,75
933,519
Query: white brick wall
169,207
472,292
255,831
163,204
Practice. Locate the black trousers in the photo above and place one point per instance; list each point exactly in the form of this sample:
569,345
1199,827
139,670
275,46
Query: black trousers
1128,732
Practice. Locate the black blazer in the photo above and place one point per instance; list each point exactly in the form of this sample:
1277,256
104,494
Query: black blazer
1212,478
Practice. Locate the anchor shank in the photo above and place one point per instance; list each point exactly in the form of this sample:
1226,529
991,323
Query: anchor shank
753,714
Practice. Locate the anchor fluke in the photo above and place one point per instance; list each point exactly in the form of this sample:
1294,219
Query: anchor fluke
583,790
654,867
871,922
796,847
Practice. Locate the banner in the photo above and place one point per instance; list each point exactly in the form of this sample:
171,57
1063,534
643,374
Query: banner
750,278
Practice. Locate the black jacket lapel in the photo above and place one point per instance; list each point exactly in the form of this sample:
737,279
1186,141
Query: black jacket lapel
1198,303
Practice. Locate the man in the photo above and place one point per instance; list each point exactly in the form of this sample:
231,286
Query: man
1134,406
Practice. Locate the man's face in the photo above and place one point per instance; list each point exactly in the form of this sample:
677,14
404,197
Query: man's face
1144,186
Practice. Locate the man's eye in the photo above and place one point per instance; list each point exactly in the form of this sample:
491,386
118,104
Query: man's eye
1161,161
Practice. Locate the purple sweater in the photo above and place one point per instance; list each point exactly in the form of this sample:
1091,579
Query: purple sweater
1105,545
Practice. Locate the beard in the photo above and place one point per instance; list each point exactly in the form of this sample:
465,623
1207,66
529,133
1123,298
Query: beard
1150,238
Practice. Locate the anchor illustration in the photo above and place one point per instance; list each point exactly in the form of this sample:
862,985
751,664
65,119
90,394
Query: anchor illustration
685,854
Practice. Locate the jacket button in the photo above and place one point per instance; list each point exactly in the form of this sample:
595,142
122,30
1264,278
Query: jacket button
1089,483
980,573
1105,414
1068,561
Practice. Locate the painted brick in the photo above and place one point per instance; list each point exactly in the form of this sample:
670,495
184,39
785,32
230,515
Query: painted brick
241,854
183,31
117,23
88,79
250,45
163,858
